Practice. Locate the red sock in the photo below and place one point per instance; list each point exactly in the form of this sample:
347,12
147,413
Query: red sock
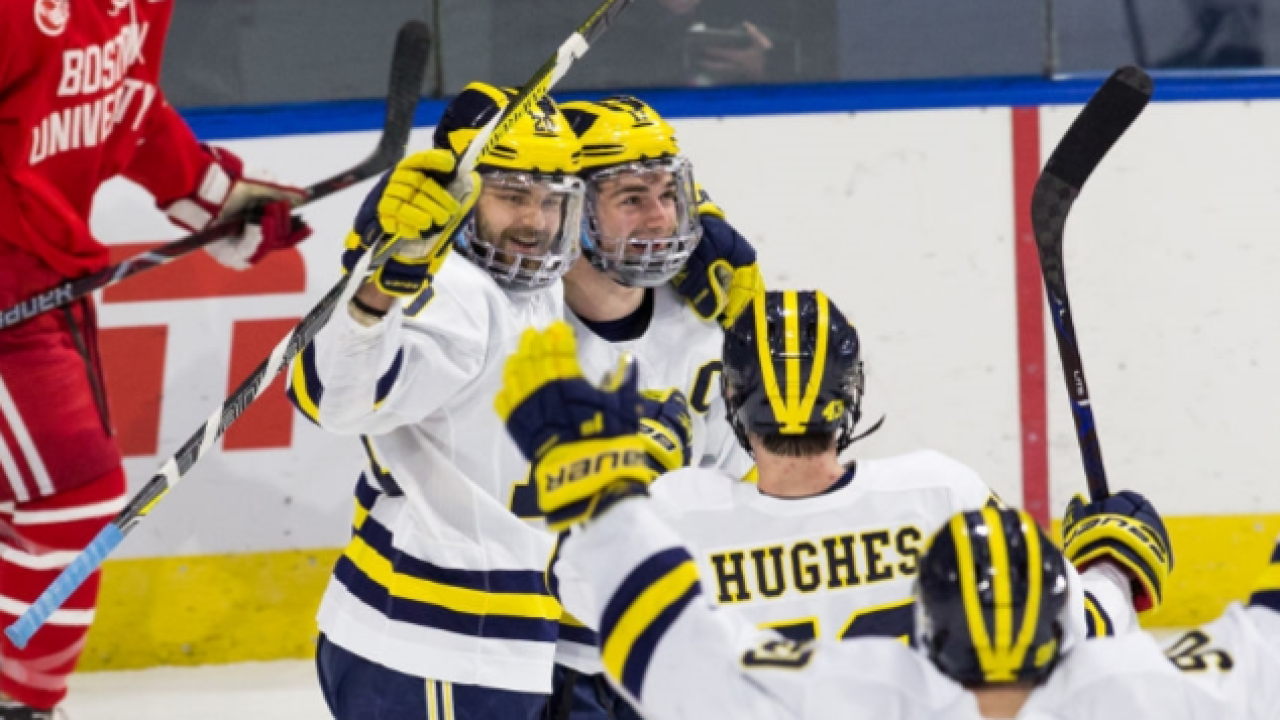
51,531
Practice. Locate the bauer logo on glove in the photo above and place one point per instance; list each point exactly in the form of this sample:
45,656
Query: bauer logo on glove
581,439
1126,530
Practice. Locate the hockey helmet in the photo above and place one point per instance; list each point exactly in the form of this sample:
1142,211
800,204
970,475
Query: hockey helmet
792,366
642,218
526,224
990,597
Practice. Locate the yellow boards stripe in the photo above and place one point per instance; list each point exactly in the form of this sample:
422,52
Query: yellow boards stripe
969,590
767,373
1035,584
791,423
646,608
819,362
361,515
458,599
1003,587
448,700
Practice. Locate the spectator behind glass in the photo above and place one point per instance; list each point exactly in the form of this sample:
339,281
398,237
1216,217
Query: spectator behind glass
1224,34
671,43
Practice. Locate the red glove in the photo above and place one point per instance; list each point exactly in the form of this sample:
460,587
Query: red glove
226,189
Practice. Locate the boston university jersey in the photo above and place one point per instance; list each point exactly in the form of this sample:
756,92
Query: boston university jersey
678,350
79,104
679,656
837,565
441,579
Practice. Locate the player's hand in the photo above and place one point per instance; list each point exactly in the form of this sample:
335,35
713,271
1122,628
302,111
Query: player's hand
228,189
583,441
412,205
666,426
1126,530
721,276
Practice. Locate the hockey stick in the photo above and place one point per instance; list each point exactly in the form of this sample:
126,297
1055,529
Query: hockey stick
1100,124
407,67
173,470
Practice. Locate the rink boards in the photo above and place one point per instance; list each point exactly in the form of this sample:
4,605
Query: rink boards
908,219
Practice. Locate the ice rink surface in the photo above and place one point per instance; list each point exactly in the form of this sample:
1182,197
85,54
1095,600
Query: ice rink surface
285,690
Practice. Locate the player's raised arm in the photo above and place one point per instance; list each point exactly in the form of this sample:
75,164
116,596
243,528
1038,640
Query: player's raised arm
365,372
420,328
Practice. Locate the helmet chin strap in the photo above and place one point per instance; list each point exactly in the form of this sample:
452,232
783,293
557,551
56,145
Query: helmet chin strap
866,432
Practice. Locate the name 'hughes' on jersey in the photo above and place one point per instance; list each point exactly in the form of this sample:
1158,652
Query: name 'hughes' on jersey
837,565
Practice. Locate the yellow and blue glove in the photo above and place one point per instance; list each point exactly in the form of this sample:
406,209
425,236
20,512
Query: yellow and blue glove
582,441
412,204
666,426
1124,529
721,276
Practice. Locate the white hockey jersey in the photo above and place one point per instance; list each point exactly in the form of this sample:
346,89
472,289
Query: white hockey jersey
677,654
1238,657
680,350
837,565
441,579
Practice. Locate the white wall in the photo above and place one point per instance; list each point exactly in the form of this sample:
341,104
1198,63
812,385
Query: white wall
906,220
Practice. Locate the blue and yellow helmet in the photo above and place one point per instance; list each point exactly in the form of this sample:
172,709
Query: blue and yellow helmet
792,366
990,597
641,208
527,222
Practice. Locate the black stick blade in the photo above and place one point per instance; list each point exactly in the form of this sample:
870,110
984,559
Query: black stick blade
1106,116
408,68
1097,128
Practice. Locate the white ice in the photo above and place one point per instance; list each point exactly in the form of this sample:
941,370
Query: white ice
284,690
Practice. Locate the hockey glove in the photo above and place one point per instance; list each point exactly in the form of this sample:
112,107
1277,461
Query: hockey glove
582,441
721,276
1126,530
666,427
229,188
412,205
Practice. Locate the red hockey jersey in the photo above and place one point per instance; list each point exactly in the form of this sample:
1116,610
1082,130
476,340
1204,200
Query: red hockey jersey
79,104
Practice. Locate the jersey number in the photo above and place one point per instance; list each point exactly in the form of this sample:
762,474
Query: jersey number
894,619
703,384
1192,654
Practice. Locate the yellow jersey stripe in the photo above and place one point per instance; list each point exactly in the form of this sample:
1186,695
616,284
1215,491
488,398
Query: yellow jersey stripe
464,600
651,603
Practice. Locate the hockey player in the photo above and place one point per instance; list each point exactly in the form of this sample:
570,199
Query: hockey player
630,292
994,639
644,225
80,104
438,607
1238,655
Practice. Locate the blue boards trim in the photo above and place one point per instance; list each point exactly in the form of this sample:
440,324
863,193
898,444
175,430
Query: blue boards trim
366,115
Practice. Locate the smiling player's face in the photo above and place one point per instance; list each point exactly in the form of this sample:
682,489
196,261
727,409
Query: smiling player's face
636,205
524,220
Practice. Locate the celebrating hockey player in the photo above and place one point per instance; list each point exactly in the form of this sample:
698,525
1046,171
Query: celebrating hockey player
438,607
80,104
630,292
996,634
